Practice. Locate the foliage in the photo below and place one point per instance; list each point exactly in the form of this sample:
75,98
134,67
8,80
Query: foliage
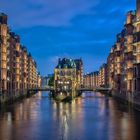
51,81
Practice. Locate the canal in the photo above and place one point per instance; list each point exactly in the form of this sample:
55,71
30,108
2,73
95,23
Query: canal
90,117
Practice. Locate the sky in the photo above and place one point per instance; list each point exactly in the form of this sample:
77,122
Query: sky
67,28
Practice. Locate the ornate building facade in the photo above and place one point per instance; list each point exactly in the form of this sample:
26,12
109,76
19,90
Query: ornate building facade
65,79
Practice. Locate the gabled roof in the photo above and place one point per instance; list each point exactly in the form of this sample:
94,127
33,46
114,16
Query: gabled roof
66,63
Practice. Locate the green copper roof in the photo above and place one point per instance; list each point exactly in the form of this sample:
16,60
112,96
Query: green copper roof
66,63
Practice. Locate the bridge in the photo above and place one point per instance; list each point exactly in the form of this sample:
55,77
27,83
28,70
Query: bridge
47,88
96,89
51,89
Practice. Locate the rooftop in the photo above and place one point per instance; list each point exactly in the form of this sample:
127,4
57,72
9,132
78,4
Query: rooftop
66,63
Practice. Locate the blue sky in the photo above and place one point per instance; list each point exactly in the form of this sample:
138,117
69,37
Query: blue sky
67,28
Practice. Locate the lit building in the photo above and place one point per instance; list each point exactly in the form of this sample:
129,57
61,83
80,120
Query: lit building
129,56
102,77
123,60
13,65
18,71
24,68
97,78
91,80
17,61
87,80
3,53
32,73
136,80
110,67
65,82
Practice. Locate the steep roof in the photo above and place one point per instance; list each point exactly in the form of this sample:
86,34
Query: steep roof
66,63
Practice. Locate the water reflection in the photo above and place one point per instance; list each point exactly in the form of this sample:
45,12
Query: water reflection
93,116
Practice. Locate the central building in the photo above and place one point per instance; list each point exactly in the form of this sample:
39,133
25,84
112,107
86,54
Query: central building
65,79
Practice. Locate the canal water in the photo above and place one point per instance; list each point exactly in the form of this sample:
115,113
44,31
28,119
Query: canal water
90,117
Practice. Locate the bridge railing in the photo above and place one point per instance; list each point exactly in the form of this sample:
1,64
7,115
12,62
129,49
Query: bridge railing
41,88
94,89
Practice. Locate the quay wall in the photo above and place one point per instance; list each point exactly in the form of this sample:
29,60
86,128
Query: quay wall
10,98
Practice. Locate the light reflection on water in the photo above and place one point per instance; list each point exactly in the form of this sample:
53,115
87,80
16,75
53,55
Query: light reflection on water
92,116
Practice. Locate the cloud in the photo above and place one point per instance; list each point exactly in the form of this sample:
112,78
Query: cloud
67,28
29,13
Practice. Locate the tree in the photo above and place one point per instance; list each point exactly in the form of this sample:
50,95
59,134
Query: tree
51,81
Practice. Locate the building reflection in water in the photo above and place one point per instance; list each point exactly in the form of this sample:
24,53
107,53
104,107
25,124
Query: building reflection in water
70,118
92,116
122,124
